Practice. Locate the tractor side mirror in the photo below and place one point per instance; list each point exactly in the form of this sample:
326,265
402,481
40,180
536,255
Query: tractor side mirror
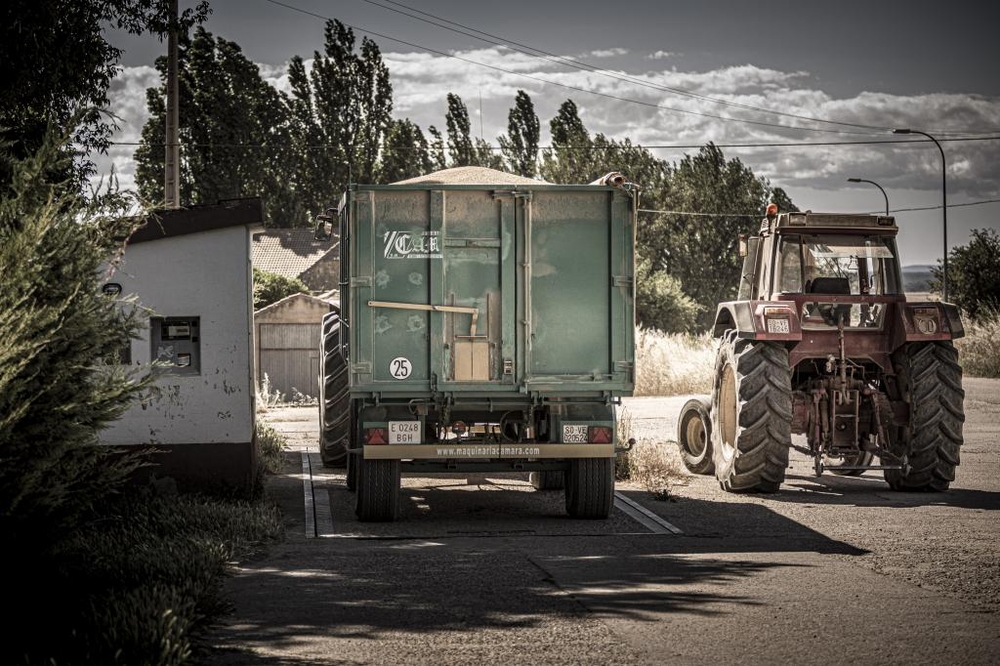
744,247
324,225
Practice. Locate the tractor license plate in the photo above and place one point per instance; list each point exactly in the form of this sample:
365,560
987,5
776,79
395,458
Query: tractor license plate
404,432
574,434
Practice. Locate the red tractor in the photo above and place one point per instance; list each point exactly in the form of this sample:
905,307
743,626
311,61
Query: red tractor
822,342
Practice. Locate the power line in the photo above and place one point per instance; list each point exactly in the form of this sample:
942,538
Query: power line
565,85
675,146
894,210
581,65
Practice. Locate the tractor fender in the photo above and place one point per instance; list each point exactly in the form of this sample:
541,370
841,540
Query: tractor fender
758,320
930,321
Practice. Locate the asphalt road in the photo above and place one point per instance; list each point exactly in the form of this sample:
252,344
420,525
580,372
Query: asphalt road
829,570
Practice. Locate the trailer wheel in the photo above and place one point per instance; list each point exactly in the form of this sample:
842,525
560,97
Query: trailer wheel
751,415
335,398
548,480
377,498
590,487
931,379
694,436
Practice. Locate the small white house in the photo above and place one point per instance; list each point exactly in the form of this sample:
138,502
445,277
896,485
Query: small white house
190,270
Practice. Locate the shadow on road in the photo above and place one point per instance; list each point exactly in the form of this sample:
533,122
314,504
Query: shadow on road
871,490
471,562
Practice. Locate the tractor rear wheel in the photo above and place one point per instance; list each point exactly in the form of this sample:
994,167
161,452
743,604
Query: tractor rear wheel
590,487
751,415
931,379
694,436
335,398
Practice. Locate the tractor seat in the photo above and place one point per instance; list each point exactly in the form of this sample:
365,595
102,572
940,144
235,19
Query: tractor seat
829,285
830,313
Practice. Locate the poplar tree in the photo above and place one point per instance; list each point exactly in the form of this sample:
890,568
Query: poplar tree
520,145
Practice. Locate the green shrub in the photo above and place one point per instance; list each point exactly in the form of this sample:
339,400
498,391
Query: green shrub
145,584
660,302
270,288
271,444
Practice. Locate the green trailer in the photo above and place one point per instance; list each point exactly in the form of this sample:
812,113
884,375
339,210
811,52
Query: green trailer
482,328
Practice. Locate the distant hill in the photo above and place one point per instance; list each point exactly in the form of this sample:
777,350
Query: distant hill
917,278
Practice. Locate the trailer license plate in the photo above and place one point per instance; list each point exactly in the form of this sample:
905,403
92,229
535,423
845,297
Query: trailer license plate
404,432
574,434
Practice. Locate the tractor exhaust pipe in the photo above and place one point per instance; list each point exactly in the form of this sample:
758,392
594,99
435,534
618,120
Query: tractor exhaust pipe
614,179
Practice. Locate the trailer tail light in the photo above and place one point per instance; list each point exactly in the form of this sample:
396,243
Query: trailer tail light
599,435
925,320
376,436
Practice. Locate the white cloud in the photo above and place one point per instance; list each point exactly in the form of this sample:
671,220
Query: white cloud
609,53
660,55
657,117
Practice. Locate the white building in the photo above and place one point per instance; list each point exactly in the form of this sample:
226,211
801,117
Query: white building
191,269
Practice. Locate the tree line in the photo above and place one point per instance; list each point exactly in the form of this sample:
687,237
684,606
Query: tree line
299,150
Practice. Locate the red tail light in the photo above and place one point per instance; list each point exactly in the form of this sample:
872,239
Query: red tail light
375,436
599,435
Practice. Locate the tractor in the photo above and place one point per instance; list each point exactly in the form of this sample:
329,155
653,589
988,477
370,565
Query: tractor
822,342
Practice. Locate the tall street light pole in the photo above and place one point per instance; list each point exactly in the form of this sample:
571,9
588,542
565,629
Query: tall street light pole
872,182
944,206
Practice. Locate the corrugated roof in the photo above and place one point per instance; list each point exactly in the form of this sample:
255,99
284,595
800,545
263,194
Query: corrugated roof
288,252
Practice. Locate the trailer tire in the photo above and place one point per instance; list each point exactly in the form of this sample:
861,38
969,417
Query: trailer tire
694,436
751,415
335,399
548,480
590,487
377,497
931,379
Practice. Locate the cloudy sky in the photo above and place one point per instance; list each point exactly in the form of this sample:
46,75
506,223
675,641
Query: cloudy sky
826,80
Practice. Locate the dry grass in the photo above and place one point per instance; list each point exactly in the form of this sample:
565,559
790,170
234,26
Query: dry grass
673,363
652,465
979,350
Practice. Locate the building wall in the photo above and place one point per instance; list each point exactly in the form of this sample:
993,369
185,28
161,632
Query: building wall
205,275
287,345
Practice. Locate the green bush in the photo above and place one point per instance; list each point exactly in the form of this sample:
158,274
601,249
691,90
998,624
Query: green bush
661,303
271,444
59,380
270,288
146,583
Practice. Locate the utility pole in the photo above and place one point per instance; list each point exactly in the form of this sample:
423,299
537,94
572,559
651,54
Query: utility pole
172,160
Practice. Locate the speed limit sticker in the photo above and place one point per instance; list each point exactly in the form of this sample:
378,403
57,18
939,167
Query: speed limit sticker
400,367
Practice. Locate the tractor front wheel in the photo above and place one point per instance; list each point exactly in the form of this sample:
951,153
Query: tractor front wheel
694,436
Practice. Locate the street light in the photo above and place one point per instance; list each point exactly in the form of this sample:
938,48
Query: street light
872,182
944,205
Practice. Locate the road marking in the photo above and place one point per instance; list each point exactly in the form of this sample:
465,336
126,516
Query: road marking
321,502
644,516
307,489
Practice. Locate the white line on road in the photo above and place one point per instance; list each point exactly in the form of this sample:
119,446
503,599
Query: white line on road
644,516
307,489
321,502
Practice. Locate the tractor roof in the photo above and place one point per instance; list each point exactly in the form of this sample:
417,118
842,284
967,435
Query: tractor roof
828,222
